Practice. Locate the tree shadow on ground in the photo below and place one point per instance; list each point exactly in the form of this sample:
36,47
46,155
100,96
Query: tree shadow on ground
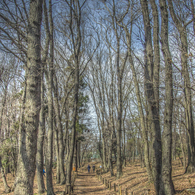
129,179
89,190
135,184
178,175
136,173
59,192
131,186
84,185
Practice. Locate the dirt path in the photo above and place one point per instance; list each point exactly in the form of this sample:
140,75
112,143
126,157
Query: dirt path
87,183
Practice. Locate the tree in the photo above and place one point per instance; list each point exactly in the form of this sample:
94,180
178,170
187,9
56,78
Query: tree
41,131
151,99
7,188
49,156
29,125
167,186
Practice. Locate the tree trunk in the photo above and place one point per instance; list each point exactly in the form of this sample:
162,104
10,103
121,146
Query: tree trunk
174,141
167,187
78,154
77,46
7,188
193,14
75,154
120,109
28,130
50,109
41,131
124,136
2,110
152,103
110,163
102,104
182,149
40,140
156,51
73,136
60,134
104,147
66,137
57,154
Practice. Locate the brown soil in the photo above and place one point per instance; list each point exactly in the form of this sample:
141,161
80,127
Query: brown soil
87,183
134,179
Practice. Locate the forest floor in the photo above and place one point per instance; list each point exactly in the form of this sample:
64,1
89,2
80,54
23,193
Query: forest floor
134,179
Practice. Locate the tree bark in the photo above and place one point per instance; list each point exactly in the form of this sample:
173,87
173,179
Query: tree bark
60,133
7,188
78,154
152,103
28,132
182,148
41,131
75,154
167,187
57,154
50,109
103,145
102,110
124,136
40,140
2,110
73,136
119,108
156,51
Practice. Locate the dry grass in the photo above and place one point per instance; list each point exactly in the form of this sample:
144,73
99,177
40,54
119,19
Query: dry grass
134,179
